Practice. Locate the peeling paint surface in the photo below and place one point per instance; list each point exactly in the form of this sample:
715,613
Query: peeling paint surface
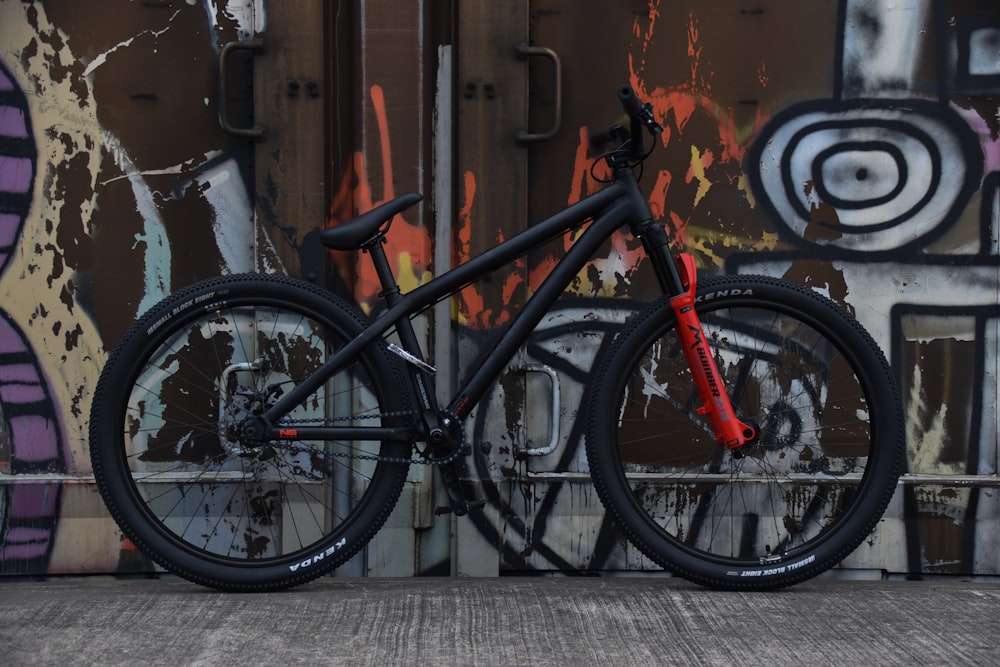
99,211
869,174
851,146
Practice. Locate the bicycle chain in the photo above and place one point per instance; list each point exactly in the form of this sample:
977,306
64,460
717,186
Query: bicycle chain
387,459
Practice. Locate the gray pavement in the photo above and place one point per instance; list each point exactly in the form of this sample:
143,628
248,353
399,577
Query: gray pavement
645,620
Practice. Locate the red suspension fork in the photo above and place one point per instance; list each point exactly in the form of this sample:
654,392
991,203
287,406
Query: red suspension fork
729,430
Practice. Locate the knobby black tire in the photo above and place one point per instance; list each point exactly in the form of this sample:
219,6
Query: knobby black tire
789,505
166,450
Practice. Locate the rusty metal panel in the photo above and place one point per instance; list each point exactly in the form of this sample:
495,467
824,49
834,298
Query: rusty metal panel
391,59
850,146
390,136
116,186
119,185
290,165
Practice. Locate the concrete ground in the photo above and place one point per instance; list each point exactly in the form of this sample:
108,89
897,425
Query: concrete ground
645,620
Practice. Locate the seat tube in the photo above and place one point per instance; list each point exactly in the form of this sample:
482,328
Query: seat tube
407,336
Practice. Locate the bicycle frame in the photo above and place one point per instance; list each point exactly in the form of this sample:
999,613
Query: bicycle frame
620,203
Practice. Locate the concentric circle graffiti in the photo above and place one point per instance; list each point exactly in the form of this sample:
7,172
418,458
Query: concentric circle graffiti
866,176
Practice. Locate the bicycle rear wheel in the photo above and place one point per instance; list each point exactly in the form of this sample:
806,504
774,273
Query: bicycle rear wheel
171,466
790,504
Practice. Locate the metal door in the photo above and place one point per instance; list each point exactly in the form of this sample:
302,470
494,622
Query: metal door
144,146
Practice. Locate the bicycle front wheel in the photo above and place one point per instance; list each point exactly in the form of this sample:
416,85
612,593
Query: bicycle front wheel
786,506
206,503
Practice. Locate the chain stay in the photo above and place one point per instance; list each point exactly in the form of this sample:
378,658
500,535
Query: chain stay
373,457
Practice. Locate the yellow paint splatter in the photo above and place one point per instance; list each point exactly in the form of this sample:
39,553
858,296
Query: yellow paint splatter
699,162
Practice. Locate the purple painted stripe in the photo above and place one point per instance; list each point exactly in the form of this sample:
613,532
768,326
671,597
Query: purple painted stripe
20,393
5,83
32,512
10,341
23,543
15,174
10,225
12,122
33,501
35,437
18,373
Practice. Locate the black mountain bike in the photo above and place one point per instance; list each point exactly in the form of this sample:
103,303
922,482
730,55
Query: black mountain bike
252,432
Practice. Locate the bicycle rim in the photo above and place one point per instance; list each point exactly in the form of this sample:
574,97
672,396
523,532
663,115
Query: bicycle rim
216,509
790,504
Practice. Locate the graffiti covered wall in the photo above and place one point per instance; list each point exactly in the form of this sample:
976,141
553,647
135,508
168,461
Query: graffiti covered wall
850,146
103,211
126,173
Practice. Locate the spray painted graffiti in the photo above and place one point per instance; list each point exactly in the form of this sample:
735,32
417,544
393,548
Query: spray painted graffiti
882,197
409,243
31,433
878,182
92,185
883,191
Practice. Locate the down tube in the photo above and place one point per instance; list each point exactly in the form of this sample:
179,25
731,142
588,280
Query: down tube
536,307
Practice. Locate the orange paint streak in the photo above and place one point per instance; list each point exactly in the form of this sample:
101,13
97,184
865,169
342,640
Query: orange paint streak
693,48
470,305
464,234
409,245
622,259
674,106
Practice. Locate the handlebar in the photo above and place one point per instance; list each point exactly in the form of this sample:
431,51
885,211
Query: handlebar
640,115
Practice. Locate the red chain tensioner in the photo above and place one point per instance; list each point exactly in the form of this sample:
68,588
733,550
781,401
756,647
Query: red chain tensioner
729,431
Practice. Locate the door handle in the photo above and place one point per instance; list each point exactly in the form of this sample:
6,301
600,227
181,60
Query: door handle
524,52
256,132
554,437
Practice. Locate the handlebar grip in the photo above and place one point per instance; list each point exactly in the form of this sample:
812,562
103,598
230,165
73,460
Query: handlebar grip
631,103
641,114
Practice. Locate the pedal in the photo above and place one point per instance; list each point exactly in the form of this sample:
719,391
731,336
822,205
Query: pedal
460,501
466,507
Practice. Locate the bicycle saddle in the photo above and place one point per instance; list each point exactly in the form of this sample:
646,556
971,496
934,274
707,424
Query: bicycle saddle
357,231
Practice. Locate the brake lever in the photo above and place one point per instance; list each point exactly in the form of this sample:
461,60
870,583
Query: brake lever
637,111
649,120
599,139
